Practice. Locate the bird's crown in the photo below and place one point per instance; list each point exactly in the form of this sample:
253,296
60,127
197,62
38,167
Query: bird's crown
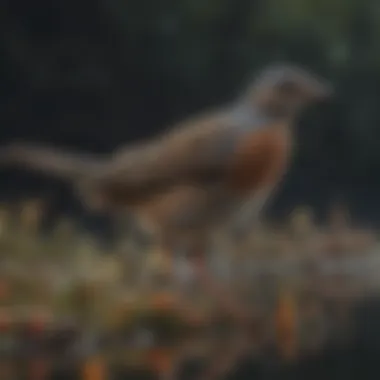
285,88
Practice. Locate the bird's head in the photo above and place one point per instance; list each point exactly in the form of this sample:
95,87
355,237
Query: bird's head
285,90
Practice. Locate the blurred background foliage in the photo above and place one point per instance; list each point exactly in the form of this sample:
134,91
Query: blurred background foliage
94,75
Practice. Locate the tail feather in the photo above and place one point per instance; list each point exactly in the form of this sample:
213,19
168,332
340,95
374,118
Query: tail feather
50,161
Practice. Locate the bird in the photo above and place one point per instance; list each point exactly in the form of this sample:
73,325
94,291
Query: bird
218,165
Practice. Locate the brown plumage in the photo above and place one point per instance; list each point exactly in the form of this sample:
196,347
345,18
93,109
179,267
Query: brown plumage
201,171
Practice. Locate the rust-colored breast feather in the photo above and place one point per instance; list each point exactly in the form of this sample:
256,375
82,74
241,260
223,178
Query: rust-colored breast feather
259,161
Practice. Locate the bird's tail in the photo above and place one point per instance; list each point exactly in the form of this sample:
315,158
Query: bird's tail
57,163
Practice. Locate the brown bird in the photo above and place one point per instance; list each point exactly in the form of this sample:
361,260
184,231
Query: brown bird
200,173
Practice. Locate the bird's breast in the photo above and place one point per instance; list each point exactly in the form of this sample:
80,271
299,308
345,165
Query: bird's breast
259,161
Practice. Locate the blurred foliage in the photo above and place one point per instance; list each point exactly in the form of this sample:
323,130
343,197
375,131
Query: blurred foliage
65,280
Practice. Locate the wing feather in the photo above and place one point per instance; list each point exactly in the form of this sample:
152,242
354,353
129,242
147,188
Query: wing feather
196,150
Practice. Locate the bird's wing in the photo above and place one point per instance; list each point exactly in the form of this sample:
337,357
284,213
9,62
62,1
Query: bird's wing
199,149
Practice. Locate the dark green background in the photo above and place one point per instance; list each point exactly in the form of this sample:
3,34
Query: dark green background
95,74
